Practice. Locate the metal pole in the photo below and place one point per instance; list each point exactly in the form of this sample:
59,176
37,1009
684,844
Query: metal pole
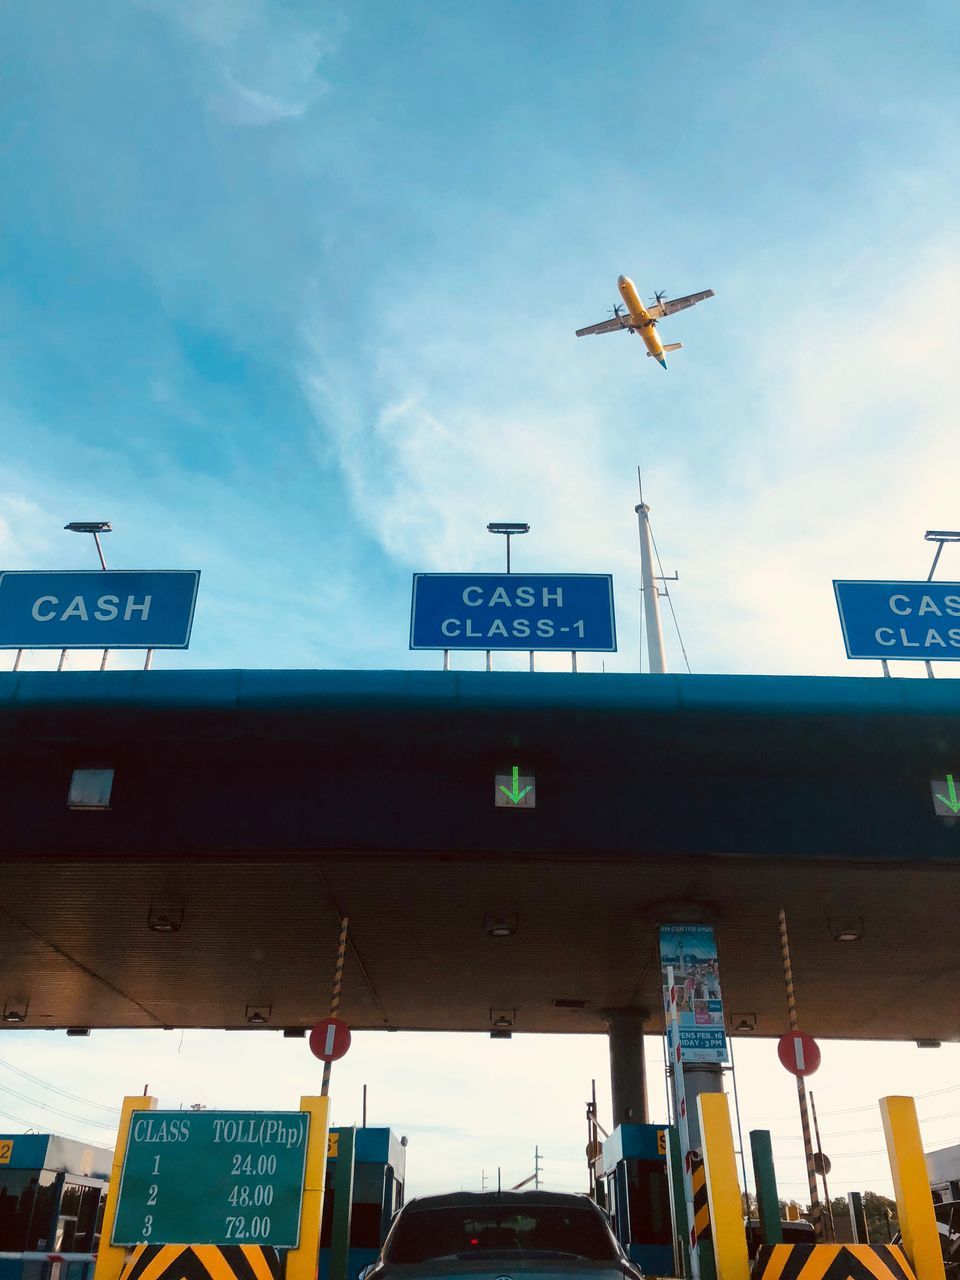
148,660
489,660
103,566
63,659
815,1210
446,659
508,553
364,1125
650,594
823,1170
936,557
736,1105
16,661
573,661
335,998
885,668
680,1111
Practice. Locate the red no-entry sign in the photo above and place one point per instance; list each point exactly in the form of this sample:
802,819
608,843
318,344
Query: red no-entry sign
330,1039
799,1053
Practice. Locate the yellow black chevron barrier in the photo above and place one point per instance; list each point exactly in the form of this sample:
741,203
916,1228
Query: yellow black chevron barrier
831,1262
701,1202
203,1262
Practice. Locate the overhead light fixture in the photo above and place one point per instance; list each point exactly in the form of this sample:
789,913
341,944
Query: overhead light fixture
499,1034
511,529
743,1022
258,1015
78,1031
15,1010
90,789
165,919
942,535
294,1033
848,929
928,1044
569,1004
501,924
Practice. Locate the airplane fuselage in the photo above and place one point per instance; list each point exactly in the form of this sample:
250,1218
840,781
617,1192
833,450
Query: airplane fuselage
640,319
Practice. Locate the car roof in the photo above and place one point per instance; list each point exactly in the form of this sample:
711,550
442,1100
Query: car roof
477,1199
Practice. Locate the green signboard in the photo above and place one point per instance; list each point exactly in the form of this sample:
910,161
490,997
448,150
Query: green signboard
213,1177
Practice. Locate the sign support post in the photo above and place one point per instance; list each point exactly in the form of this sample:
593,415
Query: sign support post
342,1205
110,1256
302,1261
335,998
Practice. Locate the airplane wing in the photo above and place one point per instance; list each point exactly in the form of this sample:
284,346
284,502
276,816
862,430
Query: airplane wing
606,326
668,307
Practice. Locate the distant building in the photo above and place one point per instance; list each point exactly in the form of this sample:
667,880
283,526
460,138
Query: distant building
943,1170
52,1194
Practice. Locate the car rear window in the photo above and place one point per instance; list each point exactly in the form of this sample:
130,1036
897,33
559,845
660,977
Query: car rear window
461,1231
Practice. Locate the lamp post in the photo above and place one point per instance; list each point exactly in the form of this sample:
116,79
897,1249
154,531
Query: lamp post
939,536
96,527
509,530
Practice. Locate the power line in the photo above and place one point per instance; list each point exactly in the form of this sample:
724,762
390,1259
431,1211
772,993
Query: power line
45,1084
28,1124
44,1106
666,592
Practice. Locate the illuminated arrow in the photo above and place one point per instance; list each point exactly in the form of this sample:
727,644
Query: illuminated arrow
516,795
953,803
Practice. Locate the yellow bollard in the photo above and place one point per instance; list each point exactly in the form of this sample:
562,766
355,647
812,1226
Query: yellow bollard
302,1262
918,1222
723,1189
110,1257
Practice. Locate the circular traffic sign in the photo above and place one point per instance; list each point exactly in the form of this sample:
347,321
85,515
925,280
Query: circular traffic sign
330,1039
799,1053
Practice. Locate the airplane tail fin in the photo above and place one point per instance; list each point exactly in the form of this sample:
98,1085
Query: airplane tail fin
669,346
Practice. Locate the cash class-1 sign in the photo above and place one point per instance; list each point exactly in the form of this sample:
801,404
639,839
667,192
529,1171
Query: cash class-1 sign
546,611
902,620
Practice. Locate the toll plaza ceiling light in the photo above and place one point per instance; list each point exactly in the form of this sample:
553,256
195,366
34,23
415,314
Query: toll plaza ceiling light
504,526
15,1011
89,526
499,1034
849,929
294,1033
165,919
258,1015
501,924
929,1044
78,1031
90,789
743,1022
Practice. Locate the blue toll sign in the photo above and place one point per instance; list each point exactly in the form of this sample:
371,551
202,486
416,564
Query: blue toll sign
901,620
112,609
544,611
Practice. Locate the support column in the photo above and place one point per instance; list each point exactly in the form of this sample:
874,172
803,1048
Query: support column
628,1080
699,1078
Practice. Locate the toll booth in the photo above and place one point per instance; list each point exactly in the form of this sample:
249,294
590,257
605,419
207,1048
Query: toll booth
379,1171
635,1177
52,1196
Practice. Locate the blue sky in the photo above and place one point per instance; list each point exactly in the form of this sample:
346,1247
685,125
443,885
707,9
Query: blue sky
288,294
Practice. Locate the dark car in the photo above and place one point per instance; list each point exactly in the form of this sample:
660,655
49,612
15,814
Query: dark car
470,1235
796,1232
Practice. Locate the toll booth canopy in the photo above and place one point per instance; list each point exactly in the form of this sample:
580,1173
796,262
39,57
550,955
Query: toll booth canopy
379,1171
52,1196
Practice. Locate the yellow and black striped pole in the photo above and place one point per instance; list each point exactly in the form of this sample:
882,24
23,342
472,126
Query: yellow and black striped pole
815,1211
335,998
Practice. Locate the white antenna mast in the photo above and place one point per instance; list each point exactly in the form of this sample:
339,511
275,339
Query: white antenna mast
648,589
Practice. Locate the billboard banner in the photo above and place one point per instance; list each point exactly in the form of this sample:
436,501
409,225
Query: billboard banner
691,949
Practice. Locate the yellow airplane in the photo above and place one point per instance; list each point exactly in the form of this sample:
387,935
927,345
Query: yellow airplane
643,320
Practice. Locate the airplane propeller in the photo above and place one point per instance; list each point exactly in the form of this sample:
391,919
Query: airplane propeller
616,312
659,296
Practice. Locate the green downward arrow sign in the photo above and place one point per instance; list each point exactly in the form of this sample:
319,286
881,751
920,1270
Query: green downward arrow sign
515,794
952,803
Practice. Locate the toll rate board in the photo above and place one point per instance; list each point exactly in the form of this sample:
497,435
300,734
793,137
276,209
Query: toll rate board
213,1177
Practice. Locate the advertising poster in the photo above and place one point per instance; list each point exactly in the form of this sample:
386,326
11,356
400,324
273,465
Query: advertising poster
691,949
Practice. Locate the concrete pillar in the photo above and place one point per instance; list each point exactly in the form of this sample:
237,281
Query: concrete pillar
627,1076
699,1078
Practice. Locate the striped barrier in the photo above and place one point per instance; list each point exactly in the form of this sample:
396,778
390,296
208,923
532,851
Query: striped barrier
831,1262
701,1202
203,1262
